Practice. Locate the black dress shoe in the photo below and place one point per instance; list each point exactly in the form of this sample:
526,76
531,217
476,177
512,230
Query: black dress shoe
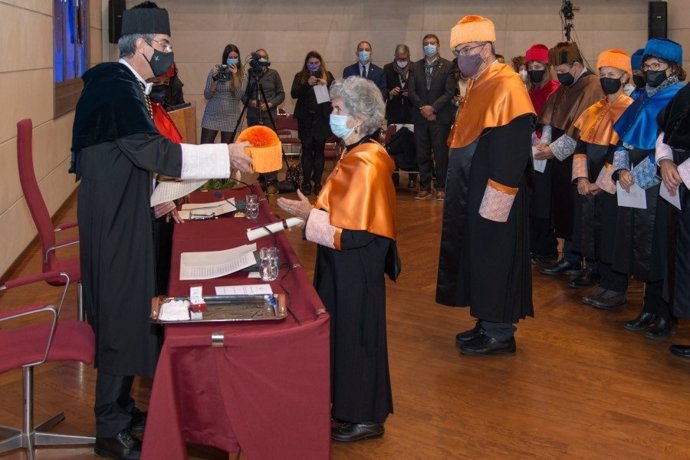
469,334
681,350
562,267
349,432
537,259
483,345
586,278
588,299
643,321
123,446
609,300
663,329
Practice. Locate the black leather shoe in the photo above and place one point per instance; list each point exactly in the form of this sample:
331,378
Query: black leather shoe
643,321
483,345
586,278
123,446
609,300
562,267
681,350
663,329
469,334
350,432
588,299
537,259
138,422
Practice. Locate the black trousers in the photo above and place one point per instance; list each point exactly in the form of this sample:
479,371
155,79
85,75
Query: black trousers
208,136
313,158
431,142
114,405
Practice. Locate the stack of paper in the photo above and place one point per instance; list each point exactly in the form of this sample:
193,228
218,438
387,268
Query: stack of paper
214,264
191,211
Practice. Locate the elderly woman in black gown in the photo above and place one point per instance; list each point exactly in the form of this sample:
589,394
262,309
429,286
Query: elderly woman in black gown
353,223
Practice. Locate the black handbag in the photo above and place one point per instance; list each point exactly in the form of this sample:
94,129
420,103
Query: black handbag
393,265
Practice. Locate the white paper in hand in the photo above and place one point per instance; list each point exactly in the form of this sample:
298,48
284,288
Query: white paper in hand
674,200
321,92
539,165
172,190
636,198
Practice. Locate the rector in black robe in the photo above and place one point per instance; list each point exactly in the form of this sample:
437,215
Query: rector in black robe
353,222
116,147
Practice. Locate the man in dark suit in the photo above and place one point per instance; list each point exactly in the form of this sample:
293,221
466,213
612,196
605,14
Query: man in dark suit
431,89
365,68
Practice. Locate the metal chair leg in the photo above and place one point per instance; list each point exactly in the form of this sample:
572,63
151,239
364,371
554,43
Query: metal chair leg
81,315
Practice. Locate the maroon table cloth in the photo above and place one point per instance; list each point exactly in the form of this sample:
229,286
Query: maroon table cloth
266,389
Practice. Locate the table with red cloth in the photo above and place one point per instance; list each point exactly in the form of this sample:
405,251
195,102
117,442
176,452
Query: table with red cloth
266,390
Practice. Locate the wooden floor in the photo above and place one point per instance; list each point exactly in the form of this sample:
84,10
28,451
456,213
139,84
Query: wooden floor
580,386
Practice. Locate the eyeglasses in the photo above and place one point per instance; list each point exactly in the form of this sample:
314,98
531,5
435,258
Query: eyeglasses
466,51
167,47
655,66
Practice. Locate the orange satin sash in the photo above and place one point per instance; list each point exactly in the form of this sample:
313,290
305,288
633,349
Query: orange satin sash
496,98
359,194
596,123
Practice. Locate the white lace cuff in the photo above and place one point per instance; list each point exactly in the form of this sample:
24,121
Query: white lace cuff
205,161
320,231
497,201
663,151
563,147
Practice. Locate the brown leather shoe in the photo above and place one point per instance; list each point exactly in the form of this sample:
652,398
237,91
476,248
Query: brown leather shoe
440,195
423,195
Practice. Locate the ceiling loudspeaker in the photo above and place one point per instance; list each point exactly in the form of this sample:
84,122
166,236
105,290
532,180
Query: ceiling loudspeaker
115,10
657,26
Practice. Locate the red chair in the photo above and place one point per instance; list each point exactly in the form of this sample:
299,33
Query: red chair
286,126
332,149
28,345
41,217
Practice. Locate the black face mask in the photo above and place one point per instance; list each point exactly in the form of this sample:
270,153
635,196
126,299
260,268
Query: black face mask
639,81
566,78
536,76
158,93
610,85
655,77
160,62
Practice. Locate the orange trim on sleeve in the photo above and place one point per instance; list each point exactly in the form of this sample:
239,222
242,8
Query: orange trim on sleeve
336,238
502,188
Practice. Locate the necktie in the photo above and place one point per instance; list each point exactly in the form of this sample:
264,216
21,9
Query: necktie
147,100
363,73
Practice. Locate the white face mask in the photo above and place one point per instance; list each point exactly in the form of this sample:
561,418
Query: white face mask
524,76
402,64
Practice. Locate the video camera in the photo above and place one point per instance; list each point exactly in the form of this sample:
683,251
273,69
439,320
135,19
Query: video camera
257,65
224,73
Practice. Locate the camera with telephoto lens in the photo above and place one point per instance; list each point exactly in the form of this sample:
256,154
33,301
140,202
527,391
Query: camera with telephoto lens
224,73
257,65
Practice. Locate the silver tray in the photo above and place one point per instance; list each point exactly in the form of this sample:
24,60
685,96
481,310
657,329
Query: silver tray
227,308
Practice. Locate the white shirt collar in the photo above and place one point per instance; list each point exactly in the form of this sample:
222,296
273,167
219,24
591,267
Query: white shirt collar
147,86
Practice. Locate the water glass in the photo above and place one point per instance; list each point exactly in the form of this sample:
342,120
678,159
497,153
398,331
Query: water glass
269,264
252,206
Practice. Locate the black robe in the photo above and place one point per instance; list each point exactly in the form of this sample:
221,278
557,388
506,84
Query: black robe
485,264
116,146
351,284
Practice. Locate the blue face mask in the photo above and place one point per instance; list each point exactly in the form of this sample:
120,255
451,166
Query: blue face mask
232,61
429,50
364,56
313,67
339,127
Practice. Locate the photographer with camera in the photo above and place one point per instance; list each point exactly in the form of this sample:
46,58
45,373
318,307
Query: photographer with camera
264,94
225,85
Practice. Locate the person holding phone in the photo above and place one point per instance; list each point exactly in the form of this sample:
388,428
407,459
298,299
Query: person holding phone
312,115
225,85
